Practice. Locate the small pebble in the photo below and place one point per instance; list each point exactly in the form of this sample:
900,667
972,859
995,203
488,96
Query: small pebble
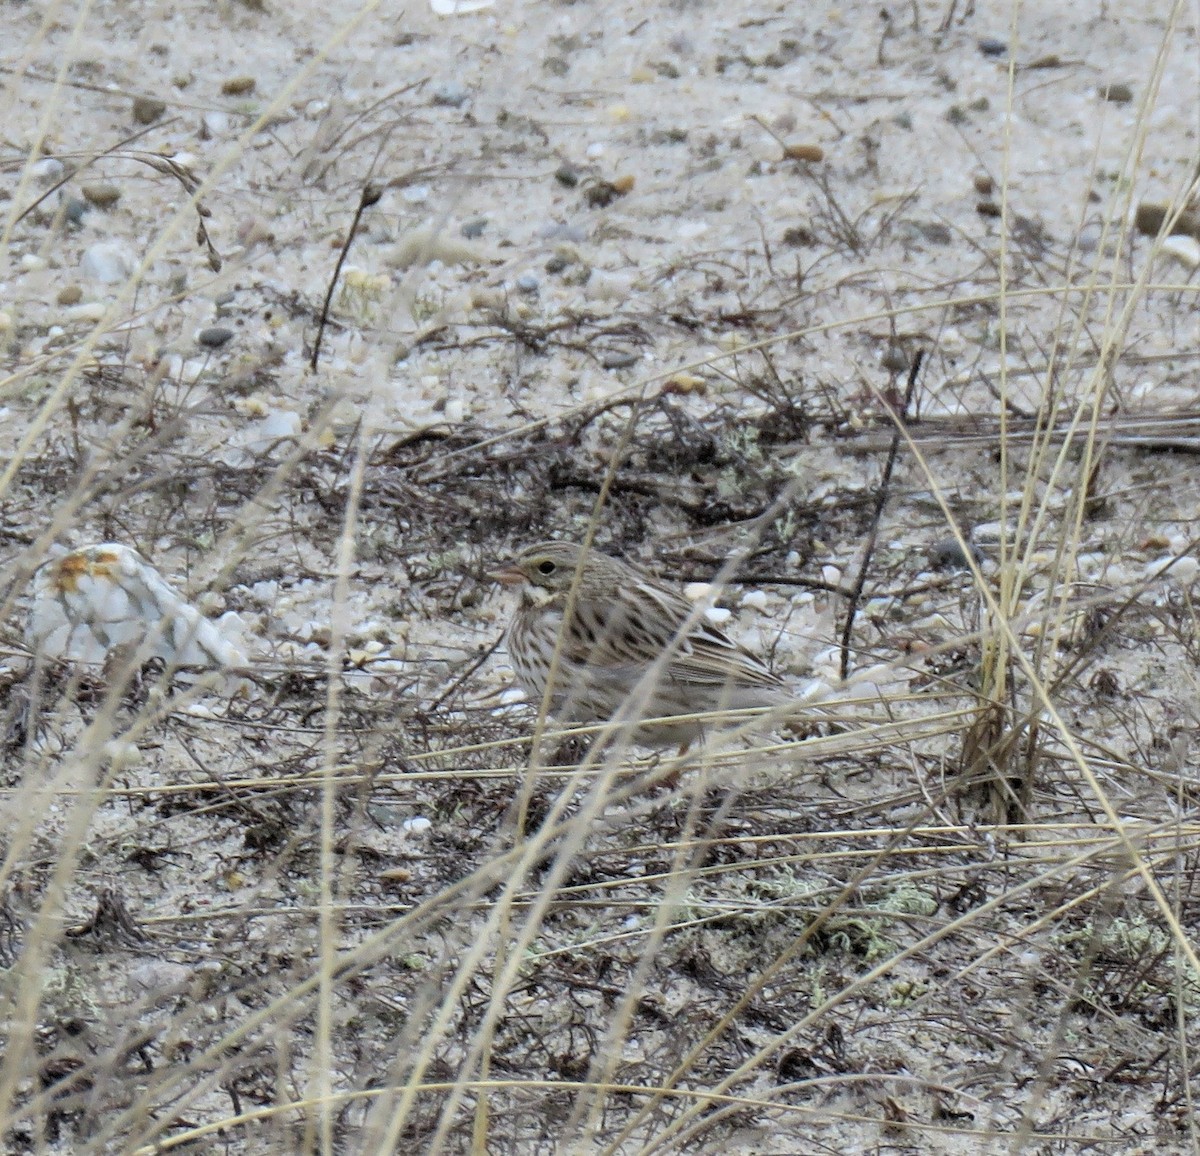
1185,250
455,410
804,152
694,591
894,359
568,175
620,359
474,227
148,109
102,195
1184,571
718,615
947,554
213,124
31,262
70,295
238,86
90,313
755,599
557,263
48,170
75,210
214,336
451,95
1150,215
984,185
107,262
527,283
992,46
1116,93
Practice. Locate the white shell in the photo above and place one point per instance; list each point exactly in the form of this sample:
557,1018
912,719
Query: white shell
99,597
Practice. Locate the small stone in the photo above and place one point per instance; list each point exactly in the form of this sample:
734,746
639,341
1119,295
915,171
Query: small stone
992,46
894,359
527,283
102,195
557,264
984,185
935,232
214,336
1185,250
474,227
804,152
107,262
75,210
988,209
450,95
148,109
556,65
620,359
70,295
213,124
1116,93
48,170
947,554
602,193
89,314
567,174
239,86
1150,216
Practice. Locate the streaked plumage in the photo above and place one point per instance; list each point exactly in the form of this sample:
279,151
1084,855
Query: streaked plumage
623,620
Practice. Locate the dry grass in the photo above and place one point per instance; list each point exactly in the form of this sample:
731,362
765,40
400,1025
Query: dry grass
950,909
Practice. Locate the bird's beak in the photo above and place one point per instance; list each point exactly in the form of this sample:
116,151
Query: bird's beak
507,576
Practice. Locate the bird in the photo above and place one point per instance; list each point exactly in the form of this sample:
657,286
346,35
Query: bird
621,622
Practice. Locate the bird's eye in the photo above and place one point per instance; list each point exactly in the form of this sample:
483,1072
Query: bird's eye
547,567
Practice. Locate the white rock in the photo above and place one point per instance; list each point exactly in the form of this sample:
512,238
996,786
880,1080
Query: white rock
1184,571
458,7
455,410
718,615
755,599
417,825
695,591
108,262
1184,249
31,262
89,312
47,170
280,423
216,123
832,575
1158,565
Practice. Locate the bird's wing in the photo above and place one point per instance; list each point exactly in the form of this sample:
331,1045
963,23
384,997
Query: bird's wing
712,658
644,620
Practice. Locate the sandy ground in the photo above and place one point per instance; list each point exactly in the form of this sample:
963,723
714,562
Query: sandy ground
683,255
